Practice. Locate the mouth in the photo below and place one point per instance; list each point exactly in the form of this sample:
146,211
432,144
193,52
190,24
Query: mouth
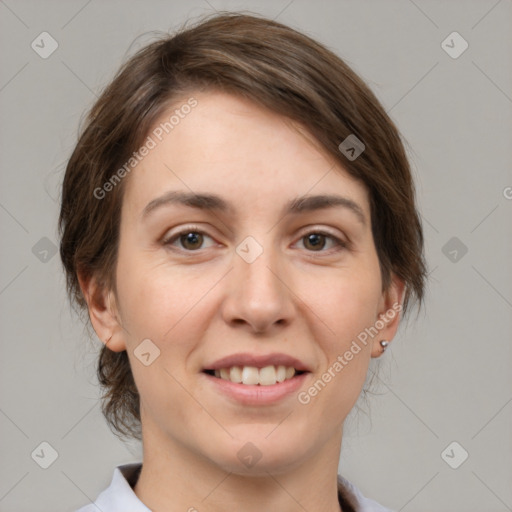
254,376
253,379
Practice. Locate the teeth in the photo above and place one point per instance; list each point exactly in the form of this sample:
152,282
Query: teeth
252,376
281,373
268,376
235,374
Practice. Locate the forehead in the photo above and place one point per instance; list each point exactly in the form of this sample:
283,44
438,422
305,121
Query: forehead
232,147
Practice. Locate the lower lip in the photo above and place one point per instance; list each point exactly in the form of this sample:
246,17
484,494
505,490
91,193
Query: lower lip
258,395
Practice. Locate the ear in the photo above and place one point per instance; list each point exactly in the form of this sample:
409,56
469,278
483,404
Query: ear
390,307
103,313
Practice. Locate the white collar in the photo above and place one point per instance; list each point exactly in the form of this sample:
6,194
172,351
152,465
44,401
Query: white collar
119,495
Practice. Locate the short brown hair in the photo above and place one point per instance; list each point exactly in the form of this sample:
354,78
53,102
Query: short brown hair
276,67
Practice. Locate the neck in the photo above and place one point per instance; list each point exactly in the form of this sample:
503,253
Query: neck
174,478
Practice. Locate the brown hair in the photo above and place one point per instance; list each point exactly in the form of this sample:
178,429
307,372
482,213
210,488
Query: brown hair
274,66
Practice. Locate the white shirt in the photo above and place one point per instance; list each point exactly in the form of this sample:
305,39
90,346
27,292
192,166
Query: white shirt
120,497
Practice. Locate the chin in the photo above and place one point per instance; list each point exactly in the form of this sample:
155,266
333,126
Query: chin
260,454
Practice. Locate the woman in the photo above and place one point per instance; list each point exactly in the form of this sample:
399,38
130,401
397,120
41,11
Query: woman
238,218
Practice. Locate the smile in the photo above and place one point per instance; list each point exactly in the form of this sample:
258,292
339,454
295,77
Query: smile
256,379
253,376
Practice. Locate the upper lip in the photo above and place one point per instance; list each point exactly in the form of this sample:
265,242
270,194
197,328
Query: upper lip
258,361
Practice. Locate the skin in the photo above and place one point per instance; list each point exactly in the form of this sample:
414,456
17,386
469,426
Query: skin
197,305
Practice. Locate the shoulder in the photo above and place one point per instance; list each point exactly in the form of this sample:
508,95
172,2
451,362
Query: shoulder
353,496
119,495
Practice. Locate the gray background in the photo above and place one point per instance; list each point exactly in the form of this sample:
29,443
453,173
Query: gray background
447,375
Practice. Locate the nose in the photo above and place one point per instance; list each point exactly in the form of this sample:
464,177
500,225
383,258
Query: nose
258,296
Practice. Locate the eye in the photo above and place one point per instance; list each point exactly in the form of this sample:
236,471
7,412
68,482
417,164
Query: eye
316,241
190,239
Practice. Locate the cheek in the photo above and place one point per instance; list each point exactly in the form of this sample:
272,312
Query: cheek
348,311
346,301
157,300
164,304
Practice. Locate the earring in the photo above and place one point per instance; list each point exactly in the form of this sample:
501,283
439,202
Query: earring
106,342
384,344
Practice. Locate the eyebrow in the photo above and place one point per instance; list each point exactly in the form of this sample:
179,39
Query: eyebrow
210,202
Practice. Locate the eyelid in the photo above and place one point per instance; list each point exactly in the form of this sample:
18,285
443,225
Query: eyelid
340,243
167,238
324,231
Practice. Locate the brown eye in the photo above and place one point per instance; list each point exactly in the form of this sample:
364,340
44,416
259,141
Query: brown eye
318,241
191,240
314,241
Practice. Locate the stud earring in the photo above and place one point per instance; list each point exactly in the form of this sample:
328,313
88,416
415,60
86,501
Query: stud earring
384,344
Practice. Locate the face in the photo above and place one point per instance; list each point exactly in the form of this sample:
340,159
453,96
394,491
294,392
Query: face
236,266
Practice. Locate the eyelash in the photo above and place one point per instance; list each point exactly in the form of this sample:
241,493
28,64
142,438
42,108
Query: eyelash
339,244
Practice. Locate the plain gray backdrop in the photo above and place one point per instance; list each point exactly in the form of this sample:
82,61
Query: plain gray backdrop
445,381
